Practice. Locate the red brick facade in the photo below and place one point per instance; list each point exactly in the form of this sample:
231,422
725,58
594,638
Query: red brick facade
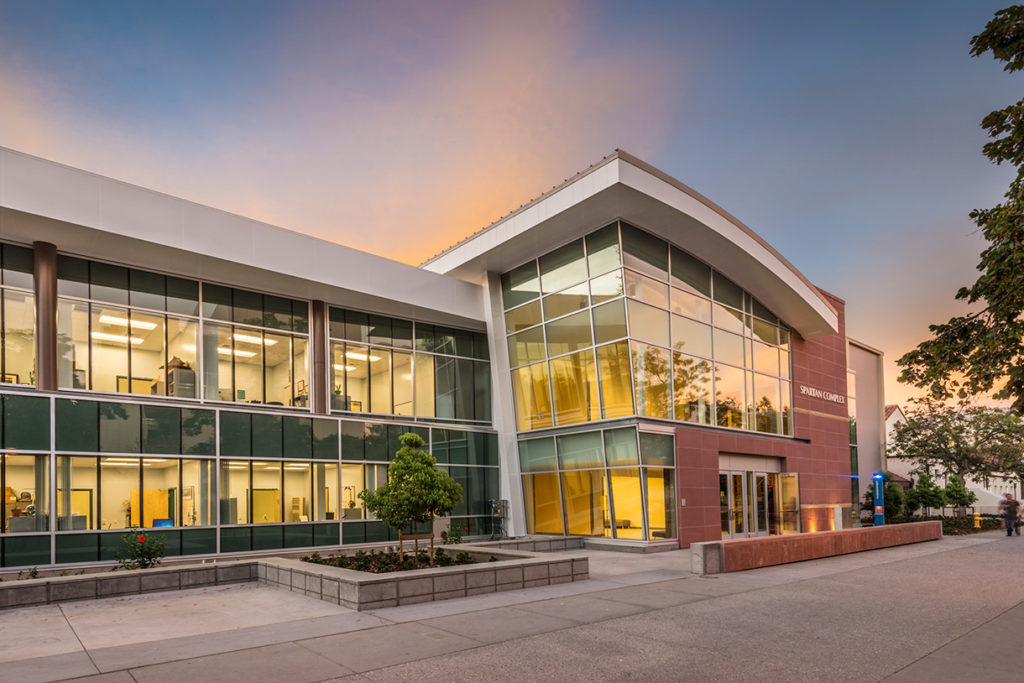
819,450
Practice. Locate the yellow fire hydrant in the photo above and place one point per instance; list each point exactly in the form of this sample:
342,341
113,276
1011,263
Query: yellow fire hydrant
977,520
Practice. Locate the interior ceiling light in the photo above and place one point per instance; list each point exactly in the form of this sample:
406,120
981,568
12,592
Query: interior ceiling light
225,351
252,339
119,338
348,368
124,322
360,356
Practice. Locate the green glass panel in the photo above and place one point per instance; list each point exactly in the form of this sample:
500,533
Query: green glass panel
110,545
491,450
277,312
394,431
609,321
520,285
182,296
26,551
336,321
18,266
482,391
298,536
77,548
108,283
120,428
375,442
580,450
72,277
235,435
444,340
26,422
234,540
603,249
161,429
147,290
537,455
424,334
172,541
727,291
199,541
465,400
267,537
247,307
458,447
477,451
657,449
198,431
492,486
380,330
357,326
300,317
463,343
353,440
326,534
644,252
460,475
401,333
77,426
353,532
620,447
267,436
439,445
690,274
325,439
376,532
298,437
481,348
217,302
761,311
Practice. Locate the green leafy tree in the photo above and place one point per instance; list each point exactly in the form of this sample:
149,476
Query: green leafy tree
893,499
912,502
961,441
983,350
416,490
929,494
959,497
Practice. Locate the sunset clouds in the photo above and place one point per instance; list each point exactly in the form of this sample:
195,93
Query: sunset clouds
845,135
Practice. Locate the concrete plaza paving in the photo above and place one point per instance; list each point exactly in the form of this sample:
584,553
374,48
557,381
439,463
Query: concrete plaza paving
943,610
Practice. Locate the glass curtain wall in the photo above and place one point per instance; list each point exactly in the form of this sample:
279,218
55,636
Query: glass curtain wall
18,315
611,483
399,367
622,323
123,330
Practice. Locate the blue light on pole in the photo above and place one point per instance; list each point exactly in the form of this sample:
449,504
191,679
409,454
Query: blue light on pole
879,482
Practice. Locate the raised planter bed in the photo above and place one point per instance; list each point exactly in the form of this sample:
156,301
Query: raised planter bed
514,569
735,555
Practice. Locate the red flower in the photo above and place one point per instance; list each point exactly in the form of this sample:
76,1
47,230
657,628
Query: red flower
467,530
142,539
444,534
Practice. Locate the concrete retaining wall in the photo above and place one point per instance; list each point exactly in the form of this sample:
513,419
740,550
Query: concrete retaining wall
750,553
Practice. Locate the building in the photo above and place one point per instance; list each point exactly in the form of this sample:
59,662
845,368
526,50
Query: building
619,358
866,401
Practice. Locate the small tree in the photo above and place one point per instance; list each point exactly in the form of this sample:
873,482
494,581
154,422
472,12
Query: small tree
912,503
929,493
141,551
416,490
893,499
958,496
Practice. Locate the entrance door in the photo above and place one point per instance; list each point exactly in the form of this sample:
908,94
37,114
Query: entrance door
744,503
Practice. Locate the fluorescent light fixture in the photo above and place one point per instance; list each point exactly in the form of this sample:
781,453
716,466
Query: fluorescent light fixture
225,351
154,460
348,368
124,322
120,338
238,467
272,468
360,356
252,339
119,464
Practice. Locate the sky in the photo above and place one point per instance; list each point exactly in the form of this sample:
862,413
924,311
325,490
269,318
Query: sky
845,134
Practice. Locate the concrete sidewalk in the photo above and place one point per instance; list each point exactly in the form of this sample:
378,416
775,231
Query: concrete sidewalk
949,609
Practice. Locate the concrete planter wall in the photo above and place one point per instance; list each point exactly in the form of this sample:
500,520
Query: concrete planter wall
363,590
353,589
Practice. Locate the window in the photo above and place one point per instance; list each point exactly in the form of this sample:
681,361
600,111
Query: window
26,493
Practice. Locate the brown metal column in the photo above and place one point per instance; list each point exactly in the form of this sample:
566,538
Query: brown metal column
319,391
45,270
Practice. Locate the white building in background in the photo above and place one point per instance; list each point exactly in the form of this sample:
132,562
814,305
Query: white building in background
989,492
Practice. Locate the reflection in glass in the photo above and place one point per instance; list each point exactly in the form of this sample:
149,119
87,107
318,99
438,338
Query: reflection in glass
627,503
661,506
607,286
536,455
603,249
691,306
613,363
620,447
728,347
574,384
526,347
563,267
403,383
644,252
520,285
646,289
609,321
652,375
576,451
26,493
586,503
566,301
197,492
728,319
691,336
648,323
76,493
72,344
234,492
692,388
730,396
424,385
325,492
689,273
766,403
568,334
543,503
522,317
766,358
530,389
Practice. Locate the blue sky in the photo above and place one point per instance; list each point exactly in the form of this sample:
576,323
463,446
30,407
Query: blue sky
846,134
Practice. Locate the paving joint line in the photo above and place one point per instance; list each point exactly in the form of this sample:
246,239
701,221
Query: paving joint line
60,607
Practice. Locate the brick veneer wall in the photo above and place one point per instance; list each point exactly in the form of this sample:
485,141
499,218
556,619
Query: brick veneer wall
819,450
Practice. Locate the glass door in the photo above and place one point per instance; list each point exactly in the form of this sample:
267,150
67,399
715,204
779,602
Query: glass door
747,504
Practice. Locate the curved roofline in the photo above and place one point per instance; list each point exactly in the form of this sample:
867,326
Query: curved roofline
623,186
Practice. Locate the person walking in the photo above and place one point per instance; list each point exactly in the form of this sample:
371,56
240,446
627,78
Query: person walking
1009,508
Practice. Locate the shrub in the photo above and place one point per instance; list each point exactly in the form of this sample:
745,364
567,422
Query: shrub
141,551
